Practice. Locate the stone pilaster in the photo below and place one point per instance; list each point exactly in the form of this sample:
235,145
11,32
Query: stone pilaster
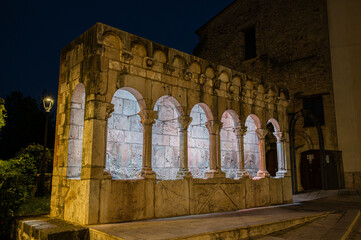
261,134
183,123
240,131
147,119
214,128
280,154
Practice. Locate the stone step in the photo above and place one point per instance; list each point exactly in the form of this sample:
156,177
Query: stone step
230,225
333,226
44,228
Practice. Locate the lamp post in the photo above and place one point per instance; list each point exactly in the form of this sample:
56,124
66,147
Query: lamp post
48,103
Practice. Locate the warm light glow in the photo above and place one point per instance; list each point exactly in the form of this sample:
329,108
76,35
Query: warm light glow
48,103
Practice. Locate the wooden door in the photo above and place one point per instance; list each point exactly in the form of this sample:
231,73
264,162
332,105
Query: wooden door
311,177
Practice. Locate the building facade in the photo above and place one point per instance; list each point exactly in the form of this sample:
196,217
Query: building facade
288,43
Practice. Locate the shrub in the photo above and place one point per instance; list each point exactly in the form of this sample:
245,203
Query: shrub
17,182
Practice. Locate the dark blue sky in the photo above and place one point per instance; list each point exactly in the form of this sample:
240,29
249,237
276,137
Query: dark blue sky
33,33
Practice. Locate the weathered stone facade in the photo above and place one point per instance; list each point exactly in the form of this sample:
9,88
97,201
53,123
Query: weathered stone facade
292,51
160,133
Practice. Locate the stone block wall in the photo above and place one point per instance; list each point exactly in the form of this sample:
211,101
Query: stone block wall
124,138
229,146
134,91
292,51
165,140
76,132
198,143
129,200
251,148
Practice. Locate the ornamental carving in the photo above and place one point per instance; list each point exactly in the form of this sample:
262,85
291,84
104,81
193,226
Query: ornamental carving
149,62
261,133
240,130
148,116
127,56
183,122
202,79
109,110
169,69
214,126
188,76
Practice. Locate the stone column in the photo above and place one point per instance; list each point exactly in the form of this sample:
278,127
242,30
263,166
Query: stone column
147,119
240,131
214,129
280,154
261,134
183,123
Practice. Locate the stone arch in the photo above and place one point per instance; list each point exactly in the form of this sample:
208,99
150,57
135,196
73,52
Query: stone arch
138,49
165,138
224,76
124,146
256,120
138,96
229,144
251,147
110,39
195,67
160,56
76,126
198,140
260,88
174,102
275,124
271,148
179,62
210,72
206,110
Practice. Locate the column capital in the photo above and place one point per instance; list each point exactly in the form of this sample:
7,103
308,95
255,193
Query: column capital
279,136
240,130
214,126
261,133
183,122
109,110
148,116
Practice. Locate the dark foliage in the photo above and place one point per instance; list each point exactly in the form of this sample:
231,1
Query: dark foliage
17,182
24,125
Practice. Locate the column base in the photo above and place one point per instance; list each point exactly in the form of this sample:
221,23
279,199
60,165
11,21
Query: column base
184,173
215,174
242,174
263,174
146,174
281,173
106,174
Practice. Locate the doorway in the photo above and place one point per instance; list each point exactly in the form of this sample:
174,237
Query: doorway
271,162
311,176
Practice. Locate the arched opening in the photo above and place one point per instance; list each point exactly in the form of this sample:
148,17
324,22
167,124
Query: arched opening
198,142
124,149
165,138
271,151
251,148
76,126
229,148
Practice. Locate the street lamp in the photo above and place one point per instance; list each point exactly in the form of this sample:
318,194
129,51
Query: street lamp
48,103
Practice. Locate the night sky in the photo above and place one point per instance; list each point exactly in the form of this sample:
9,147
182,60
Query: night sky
34,32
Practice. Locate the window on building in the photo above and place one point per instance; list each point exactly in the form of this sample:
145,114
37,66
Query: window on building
313,105
249,43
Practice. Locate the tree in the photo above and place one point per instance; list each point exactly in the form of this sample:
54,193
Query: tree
24,125
2,113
